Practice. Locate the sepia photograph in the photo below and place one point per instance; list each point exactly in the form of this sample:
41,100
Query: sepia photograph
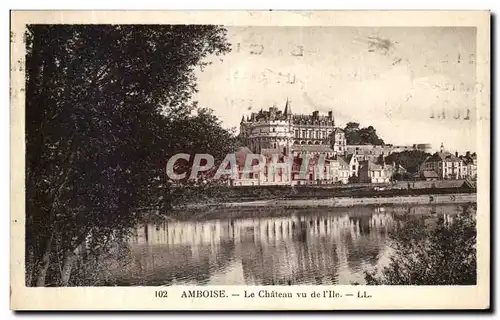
213,154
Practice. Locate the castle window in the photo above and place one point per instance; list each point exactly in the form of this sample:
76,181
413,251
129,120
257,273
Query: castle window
274,129
296,133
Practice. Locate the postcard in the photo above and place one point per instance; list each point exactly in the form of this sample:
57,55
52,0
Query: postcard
250,160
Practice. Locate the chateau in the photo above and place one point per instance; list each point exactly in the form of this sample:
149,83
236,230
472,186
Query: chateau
282,132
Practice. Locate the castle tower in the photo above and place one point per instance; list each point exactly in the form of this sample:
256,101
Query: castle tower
283,131
270,130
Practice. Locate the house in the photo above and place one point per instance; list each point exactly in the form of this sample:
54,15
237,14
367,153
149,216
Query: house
470,161
353,164
370,172
338,170
445,164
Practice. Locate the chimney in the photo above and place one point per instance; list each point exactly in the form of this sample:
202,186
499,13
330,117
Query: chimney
315,114
456,154
330,115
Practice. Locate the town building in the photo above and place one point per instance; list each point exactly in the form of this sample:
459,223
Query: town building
368,152
470,161
376,153
353,164
445,165
370,172
339,170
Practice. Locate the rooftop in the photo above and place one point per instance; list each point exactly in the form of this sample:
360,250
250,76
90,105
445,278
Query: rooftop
443,156
312,148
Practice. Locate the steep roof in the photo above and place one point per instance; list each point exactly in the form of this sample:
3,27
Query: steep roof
347,158
288,108
342,163
371,166
443,157
468,159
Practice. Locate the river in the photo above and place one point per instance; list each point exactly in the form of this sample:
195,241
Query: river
319,246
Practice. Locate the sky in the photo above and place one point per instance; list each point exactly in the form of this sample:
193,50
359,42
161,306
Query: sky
399,80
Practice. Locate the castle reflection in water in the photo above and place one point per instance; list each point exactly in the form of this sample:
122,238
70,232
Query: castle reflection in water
324,247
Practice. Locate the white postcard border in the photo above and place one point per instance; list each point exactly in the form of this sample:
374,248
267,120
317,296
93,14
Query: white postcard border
142,298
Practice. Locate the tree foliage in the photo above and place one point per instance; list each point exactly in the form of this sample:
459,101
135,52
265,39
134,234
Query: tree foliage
409,159
357,136
105,106
443,254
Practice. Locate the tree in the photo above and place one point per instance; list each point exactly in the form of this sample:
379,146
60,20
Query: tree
369,136
443,254
409,159
356,135
201,133
99,101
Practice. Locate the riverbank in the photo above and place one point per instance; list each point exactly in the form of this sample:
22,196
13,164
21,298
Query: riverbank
200,201
225,194
429,199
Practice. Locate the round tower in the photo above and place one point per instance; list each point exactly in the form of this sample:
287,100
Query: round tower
271,134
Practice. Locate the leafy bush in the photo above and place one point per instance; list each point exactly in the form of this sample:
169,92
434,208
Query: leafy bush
443,253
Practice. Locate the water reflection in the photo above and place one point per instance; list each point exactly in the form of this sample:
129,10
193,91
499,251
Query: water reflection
325,247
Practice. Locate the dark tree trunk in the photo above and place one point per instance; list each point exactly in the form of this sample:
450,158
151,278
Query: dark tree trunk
69,259
43,266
